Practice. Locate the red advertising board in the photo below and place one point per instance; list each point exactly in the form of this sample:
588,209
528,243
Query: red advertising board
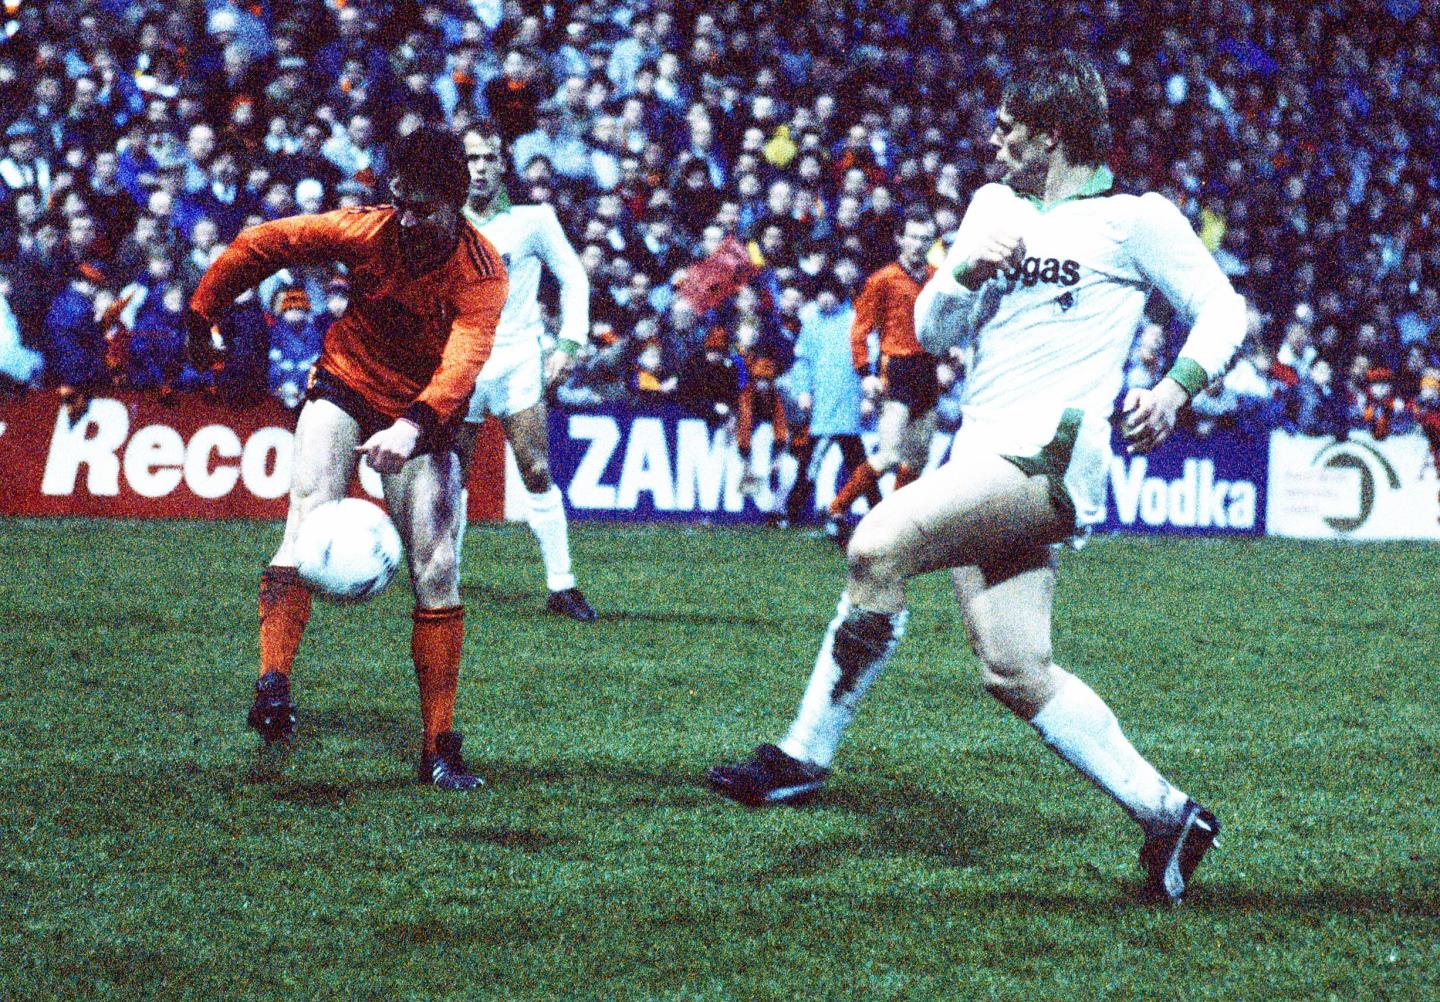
129,455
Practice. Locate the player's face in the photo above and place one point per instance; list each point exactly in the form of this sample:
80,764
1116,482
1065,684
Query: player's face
428,223
914,240
487,166
1022,156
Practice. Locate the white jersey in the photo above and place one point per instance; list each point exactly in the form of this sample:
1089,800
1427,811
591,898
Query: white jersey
1054,333
529,238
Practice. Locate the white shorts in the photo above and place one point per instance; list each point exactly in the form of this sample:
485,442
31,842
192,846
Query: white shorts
509,383
1073,454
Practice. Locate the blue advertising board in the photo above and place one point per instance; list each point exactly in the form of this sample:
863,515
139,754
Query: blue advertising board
1191,486
665,464
659,464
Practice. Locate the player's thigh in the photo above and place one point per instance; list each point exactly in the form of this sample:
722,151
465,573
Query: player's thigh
915,439
890,425
975,509
529,434
467,432
322,463
424,503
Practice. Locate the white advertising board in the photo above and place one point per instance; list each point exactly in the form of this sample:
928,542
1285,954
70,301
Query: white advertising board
1355,489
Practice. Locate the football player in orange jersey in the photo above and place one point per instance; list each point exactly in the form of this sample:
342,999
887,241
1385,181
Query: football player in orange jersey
902,381
390,386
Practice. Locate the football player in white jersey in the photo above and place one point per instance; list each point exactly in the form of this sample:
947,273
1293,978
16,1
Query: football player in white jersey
512,384
1047,280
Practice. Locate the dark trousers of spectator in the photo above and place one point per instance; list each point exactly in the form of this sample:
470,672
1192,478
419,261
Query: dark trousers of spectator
809,452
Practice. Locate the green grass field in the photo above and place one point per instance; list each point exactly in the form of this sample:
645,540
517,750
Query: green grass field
147,851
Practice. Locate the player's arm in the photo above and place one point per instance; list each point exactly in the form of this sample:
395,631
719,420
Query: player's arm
254,255
1168,253
867,312
472,336
985,244
560,257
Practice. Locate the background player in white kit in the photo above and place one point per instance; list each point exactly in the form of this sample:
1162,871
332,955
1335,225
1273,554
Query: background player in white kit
1048,277
511,386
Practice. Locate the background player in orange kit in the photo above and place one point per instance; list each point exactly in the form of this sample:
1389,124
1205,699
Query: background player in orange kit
392,382
902,379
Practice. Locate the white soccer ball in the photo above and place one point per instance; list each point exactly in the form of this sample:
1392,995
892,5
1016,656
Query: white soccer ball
347,550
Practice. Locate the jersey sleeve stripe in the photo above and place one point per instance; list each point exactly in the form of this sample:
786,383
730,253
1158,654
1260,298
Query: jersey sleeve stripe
481,258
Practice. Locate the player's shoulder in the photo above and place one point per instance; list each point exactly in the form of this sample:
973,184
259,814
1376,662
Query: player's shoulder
994,189
1148,203
994,192
1147,212
887,272
534,212
359,220
349,226
478,255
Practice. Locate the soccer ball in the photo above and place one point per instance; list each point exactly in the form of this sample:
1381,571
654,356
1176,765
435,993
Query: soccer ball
347,550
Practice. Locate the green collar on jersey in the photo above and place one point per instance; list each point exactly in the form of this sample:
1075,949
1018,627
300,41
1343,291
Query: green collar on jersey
499,202
1100,182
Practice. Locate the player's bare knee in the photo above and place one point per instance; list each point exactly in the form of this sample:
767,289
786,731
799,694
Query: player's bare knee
1014,677
884,458
870,562
436,570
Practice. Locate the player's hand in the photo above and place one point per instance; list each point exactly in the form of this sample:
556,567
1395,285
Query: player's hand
1148,416
805,401
872,387
204,343
1003,248
390,448
558,366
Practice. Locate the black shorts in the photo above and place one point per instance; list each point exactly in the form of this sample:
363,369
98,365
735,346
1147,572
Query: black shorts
910,379
324,385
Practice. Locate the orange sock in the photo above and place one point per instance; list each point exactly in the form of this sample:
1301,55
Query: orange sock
779,423
905,474
860,481
284,611
745,419
435,642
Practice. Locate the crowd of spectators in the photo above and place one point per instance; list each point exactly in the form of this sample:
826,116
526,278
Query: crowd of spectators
715,165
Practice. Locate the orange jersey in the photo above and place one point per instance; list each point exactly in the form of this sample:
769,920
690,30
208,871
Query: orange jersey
887,303
410,346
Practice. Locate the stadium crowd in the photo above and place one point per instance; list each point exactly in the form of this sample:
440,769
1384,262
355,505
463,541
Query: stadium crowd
719,168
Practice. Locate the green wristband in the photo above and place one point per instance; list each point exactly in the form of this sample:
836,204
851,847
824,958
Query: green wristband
1190,374
567,346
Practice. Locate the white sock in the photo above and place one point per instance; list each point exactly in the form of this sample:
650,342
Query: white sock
824,712
1081,729
547,521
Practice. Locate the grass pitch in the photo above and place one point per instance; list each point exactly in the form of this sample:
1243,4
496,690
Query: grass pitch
147,851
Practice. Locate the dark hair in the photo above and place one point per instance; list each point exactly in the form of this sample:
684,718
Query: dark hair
1062,93
434,158
486,128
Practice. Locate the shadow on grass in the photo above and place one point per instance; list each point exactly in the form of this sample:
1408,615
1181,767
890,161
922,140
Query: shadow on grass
386,733
901,820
